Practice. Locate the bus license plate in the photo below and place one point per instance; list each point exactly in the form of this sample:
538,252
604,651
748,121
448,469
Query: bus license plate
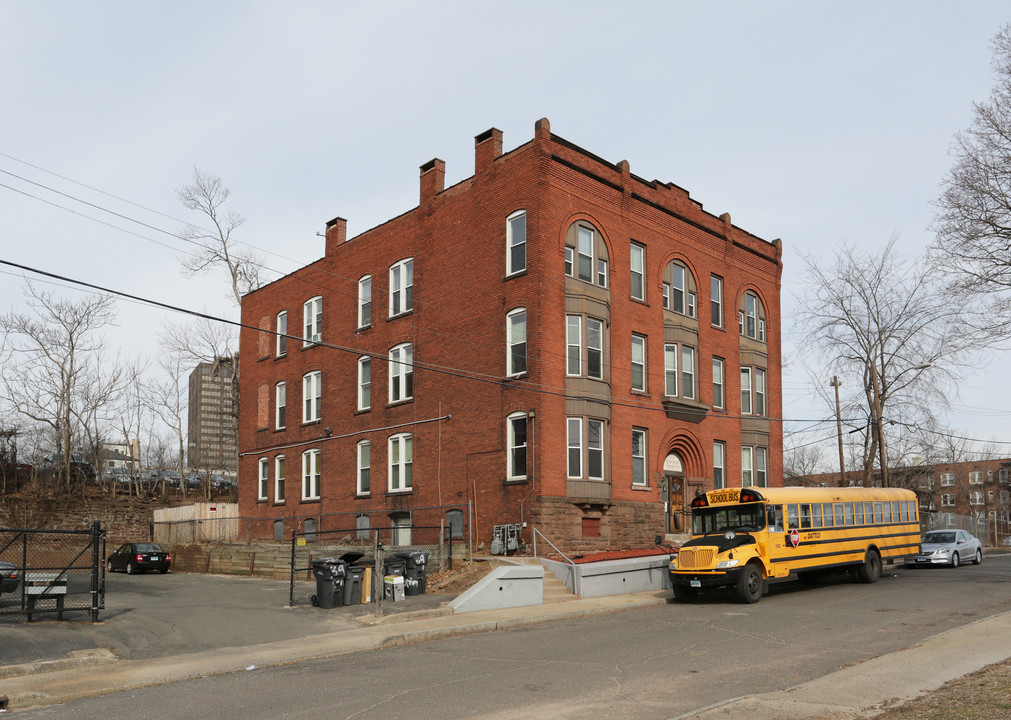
696,583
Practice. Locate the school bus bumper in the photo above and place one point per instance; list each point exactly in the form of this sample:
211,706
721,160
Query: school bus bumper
708,579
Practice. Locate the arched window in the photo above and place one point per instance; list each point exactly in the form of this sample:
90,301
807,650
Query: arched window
679,291
586,254
751,317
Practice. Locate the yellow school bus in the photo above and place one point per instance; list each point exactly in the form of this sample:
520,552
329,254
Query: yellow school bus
746,537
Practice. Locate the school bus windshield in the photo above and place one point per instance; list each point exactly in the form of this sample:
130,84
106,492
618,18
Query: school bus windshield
739,518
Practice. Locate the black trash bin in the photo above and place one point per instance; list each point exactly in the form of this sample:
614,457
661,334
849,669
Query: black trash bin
353,584
416,564
330,574
394,565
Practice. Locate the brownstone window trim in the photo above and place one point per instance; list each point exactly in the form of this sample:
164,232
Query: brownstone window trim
518,273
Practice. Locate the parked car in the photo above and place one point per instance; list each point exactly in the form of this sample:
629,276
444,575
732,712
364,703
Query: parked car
138,557
80,469
116,474
949,547
171,477
10,577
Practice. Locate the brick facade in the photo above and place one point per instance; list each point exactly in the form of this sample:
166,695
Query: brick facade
472,390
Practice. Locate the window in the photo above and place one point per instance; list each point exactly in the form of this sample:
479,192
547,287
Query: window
312,316
751,317
364,383
454,523
362,525
759,391
594,348
687,372
747,467
310,475
666,295
586,255
279,472
401,529
975,477
282,331
680,289
365,301
595,449
947,479
402,373
716,300
574,442
947,500
401,463
516,430
718,383
719,465
264,479
639,363
516,242
280,401
516,342
568,261
312,392
745,391
638,263
364,468
639,473
761,467
670,367
573,344
976,497
602,273
401,287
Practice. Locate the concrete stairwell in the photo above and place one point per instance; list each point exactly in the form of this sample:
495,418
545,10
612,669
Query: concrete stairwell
554,589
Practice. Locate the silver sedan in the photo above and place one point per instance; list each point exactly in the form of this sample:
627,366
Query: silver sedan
949,547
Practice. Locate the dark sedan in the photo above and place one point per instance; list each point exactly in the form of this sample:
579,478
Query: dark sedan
10,577
138,557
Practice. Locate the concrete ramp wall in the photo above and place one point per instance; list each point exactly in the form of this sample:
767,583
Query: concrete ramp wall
503,587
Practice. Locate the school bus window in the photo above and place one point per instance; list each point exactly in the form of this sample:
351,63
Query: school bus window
840,516
868,513
878,514
816,515
775,518
848,513
896,517
805,516
791,516
743,518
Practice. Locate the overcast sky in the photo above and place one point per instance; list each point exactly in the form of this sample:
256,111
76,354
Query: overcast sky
817,123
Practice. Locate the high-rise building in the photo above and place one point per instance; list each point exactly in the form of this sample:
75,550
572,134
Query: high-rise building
212,430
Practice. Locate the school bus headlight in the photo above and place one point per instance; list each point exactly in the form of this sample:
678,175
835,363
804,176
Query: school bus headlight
724,564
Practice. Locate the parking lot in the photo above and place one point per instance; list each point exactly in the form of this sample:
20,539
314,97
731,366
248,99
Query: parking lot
154,615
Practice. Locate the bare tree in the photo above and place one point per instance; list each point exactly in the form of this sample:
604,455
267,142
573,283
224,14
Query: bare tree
217,248
886,327
168,400
51,359
973,222
800,463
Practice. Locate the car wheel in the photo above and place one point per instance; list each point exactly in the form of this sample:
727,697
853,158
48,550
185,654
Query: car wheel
978,560
749,585
108,566
685,594
870,571
954,559
130,568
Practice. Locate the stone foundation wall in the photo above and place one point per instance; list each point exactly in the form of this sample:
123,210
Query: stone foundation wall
621,526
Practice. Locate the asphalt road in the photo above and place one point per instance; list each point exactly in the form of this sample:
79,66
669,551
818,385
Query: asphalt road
654,663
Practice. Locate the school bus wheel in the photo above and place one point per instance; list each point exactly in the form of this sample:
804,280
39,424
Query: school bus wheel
870,571
749,584
685,594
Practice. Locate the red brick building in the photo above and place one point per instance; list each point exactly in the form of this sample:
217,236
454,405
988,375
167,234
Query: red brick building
553,342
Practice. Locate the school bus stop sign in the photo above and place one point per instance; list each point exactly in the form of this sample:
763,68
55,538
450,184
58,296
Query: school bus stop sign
794,537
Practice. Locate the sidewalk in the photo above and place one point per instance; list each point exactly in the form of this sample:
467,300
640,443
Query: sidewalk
842,694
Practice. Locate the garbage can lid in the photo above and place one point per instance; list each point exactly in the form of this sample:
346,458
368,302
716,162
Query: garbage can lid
352,557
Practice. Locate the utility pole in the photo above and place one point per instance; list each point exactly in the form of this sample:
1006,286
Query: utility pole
838,426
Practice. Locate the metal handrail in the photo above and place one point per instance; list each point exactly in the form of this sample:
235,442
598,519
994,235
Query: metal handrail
572,565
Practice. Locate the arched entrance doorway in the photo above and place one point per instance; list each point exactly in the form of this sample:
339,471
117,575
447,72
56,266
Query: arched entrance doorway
674,495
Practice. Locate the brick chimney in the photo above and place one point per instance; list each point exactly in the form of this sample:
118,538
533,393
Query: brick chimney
336,233
433,179
487,147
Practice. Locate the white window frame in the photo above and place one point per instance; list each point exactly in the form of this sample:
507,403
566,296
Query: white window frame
364,383
637,272
513,446
400,454
747,466
747,402
602,272
569,262
975,477
281,344
976,497
516,242
312,321
670,369
688,372
574,444
263,479
595,350
640,469
947,500
573,345
280,470
583,232
312,396
365,302
280,405
638,363
719,465
760,397
719,384
401,287
310,474
761,467
947,479
716,300
364,465
401,373
595,451
516,336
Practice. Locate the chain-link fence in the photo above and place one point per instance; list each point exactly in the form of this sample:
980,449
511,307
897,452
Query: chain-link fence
356,549
991,531
45,572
